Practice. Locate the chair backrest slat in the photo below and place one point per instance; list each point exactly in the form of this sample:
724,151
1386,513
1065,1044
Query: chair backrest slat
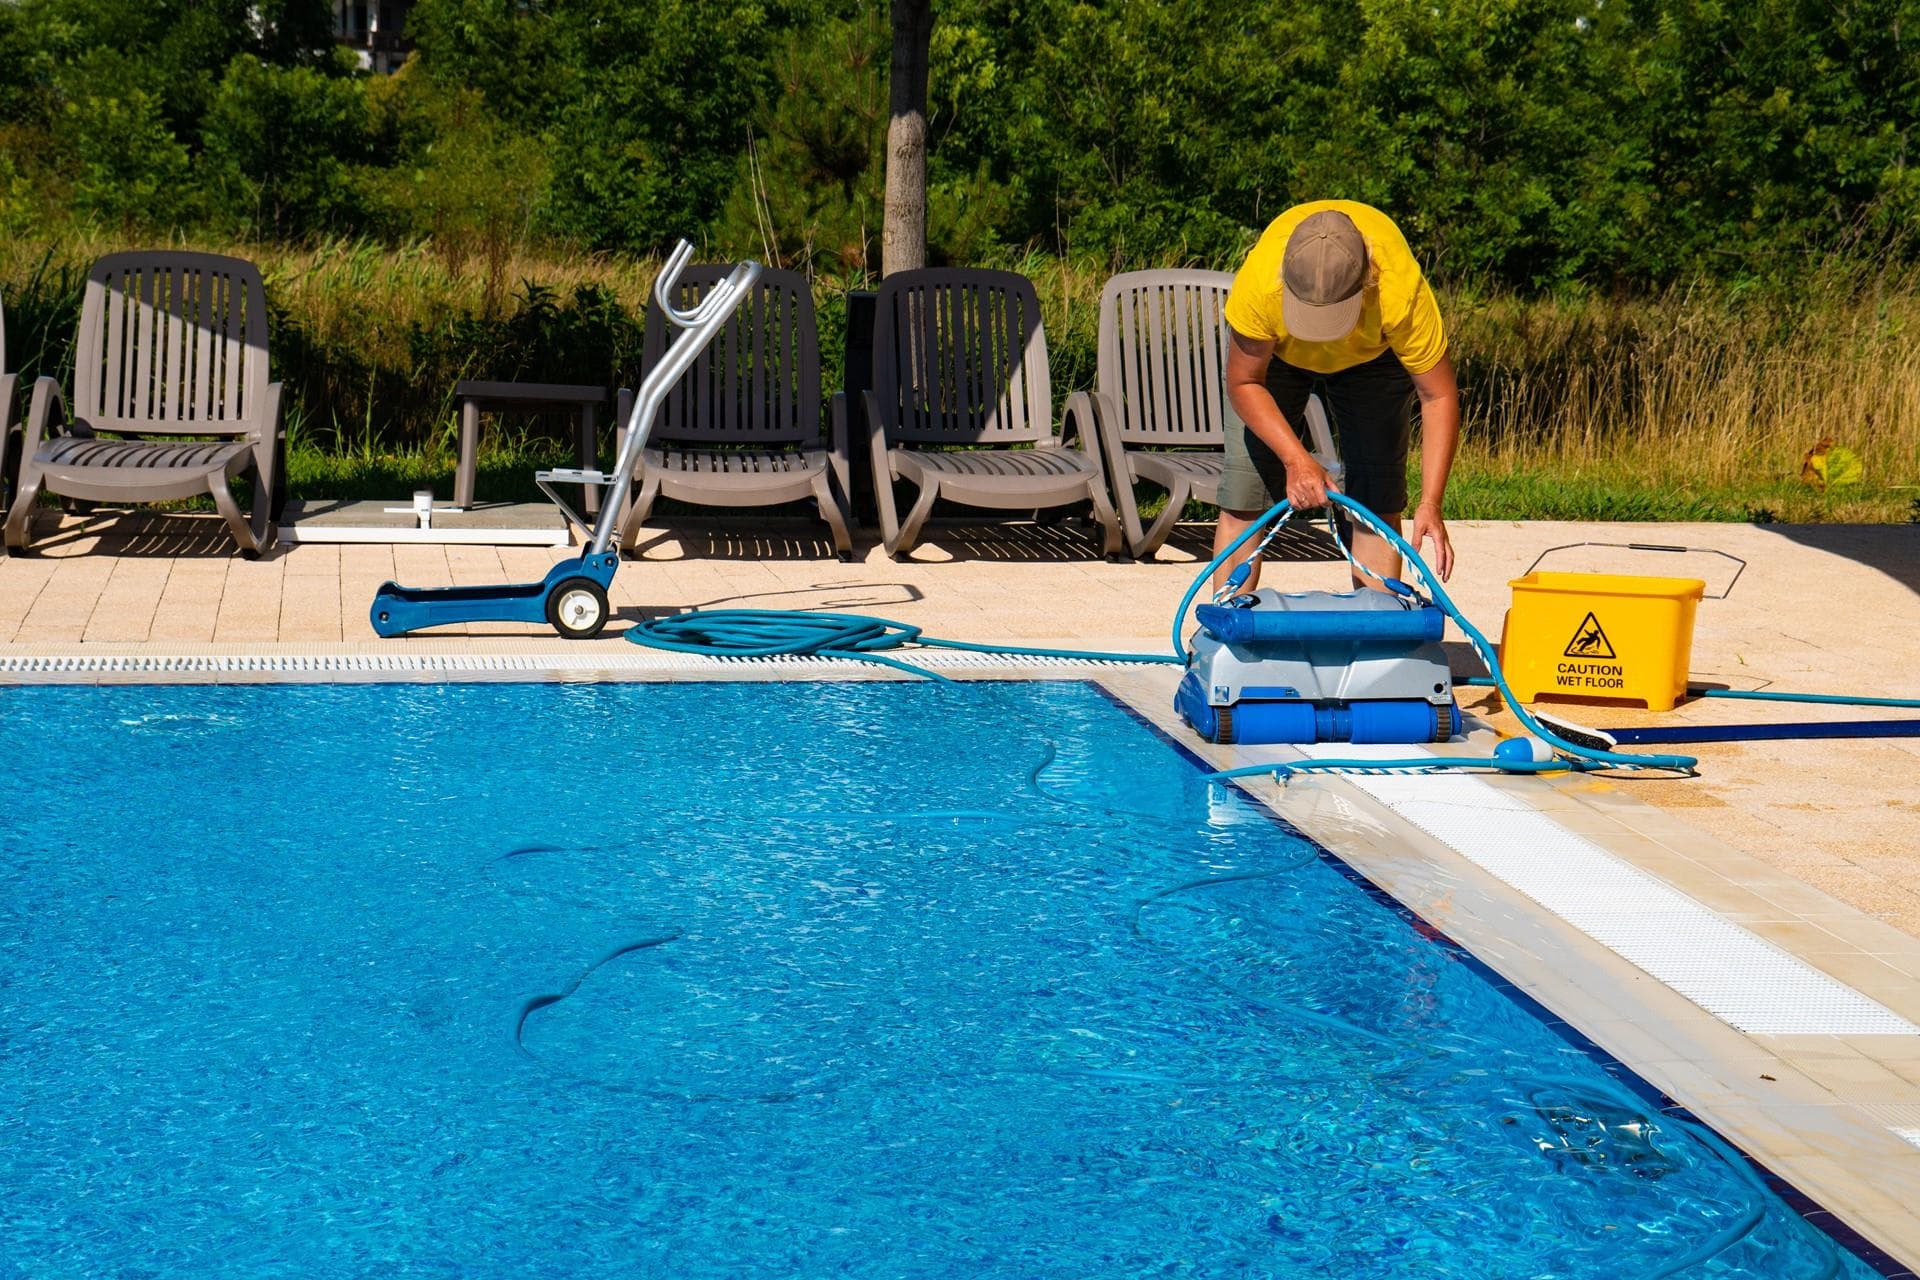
960,357
172,343
1162,355
759,380
142,290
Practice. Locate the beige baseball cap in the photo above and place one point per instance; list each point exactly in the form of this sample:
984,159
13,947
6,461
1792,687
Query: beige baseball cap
1322,278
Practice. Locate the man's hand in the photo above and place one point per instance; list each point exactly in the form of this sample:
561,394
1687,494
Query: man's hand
1308,483
1427,524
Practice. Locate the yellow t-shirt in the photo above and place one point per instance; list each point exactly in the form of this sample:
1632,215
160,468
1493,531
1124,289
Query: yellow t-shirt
1399,312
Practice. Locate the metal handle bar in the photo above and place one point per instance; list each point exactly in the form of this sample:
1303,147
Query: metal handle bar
739,279
1652,546
698,328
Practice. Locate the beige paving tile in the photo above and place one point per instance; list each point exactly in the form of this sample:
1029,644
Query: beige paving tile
190,604
63,606
364,560
311,607
315,559
22,579
250,602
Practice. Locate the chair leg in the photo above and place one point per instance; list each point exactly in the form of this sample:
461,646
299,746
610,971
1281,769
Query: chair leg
277,501
1128,508
836,518
9,456
1144,547
1110,539
268,503
253,536
19,530
917,517
637,512
883,494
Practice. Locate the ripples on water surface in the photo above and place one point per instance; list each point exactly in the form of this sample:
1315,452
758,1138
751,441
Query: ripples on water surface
729,980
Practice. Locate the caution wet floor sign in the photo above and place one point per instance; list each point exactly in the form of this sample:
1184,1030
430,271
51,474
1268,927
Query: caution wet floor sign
1597,635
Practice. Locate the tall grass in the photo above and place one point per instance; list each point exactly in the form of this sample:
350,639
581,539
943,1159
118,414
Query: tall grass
1697,401
1703,389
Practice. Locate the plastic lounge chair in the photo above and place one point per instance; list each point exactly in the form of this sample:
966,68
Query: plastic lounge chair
742,427
960,359
1160,393
172,345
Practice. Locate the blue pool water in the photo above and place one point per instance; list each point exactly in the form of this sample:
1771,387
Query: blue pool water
890,980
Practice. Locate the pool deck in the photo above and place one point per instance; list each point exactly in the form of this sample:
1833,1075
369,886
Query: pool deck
1811,847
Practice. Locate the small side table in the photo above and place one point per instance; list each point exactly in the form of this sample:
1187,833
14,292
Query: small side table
523,397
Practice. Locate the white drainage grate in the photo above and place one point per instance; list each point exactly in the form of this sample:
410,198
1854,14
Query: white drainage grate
585,660
1733,974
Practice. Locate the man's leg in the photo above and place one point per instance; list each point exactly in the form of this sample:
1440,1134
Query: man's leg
1372,550
1254,477
1230,526
1371,408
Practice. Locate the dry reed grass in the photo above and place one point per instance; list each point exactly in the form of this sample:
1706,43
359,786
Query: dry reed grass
1703,389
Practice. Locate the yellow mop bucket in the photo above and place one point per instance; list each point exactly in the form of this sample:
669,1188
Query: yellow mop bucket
1603,635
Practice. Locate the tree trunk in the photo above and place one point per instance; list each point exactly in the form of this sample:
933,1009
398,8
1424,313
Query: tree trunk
903,234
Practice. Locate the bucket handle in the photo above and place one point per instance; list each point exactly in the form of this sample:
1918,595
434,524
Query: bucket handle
1653,546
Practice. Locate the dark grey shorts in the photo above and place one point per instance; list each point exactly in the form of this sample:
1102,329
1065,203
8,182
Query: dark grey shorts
1370,408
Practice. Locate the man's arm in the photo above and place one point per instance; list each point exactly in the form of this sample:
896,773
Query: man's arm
1439,436
1307,480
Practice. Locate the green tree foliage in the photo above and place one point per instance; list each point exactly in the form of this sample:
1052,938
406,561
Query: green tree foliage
283,141
1541,143
642,106
451,171
1784,125
127,167
183,47
808,187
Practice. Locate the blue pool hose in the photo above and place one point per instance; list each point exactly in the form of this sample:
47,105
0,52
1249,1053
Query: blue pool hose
762,633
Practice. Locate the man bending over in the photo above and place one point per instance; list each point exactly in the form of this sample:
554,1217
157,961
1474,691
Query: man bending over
1331,300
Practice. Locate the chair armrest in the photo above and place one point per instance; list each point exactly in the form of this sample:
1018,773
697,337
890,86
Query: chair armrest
1106,417
9,461
273,420
876,427
1082,420
40,421
840,457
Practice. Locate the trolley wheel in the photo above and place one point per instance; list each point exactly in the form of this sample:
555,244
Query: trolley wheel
577,608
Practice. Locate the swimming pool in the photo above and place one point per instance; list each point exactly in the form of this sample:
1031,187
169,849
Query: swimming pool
876,979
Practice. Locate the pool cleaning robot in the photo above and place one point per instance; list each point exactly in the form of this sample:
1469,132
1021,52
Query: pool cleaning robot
1316,666
1319,666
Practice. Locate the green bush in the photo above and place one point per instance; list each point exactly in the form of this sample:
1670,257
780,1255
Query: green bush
128,168
281,144
1541,144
